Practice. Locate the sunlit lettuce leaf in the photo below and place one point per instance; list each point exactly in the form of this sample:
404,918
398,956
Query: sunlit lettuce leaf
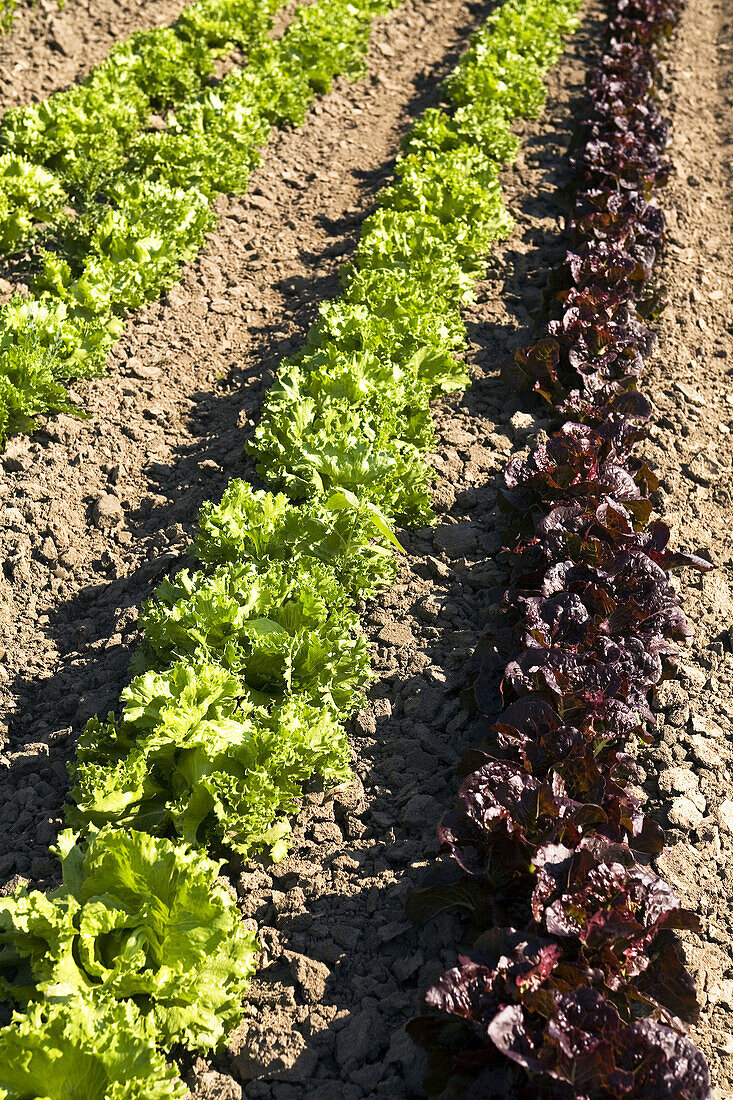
250,525
93,1050
136,917
192,755
283,630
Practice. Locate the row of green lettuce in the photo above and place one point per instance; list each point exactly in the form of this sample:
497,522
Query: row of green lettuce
251,664
102,200
59,152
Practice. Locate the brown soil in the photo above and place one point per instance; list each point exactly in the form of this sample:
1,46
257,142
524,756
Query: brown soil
690,383
50,47
94,512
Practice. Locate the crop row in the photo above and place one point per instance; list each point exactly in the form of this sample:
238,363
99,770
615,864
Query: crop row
575,975
113,199
250,664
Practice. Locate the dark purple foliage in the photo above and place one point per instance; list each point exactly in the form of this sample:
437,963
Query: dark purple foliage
578,1038
575,976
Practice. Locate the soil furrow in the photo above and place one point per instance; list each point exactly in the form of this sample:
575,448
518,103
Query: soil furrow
51,47
689,777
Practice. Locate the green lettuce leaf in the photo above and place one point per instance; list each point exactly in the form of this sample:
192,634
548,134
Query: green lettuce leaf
191,754
136,918
83,1049
283,630
250,525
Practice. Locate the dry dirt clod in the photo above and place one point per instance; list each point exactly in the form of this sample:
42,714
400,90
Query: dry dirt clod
277,1054
310,975
108,512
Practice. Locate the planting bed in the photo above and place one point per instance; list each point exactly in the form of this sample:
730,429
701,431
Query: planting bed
95,512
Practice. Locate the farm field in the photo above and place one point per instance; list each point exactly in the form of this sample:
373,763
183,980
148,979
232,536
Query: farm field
96,511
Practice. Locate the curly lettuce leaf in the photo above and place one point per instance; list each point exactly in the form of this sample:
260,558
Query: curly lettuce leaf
83,1049
281,631
250,525
191,755
136,918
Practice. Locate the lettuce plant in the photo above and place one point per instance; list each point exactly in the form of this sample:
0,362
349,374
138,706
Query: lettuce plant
281,632
137,919
142,194
28,195
343,533
190,755
101,1050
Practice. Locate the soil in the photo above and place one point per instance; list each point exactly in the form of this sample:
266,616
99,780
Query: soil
94,512
52,46
689,776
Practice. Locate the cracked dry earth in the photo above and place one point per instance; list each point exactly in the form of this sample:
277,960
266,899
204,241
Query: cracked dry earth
94,512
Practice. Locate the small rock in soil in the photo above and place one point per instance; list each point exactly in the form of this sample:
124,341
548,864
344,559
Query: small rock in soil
310,975
396,634
684,813
215,1086
359,1040
522,423
64,39
48,552
681,780
269,1052
403,1052
108,512
17,456
725,814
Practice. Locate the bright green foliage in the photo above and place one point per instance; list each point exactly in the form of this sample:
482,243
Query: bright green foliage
281,631
379,315
212,143
83,134
40,346
483,127
225,25
28,195
135,249
192,754
132,253
143,194
510,55
254,526
330,39
340,425
254,667
83,1050
140,919
7,14
390,343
